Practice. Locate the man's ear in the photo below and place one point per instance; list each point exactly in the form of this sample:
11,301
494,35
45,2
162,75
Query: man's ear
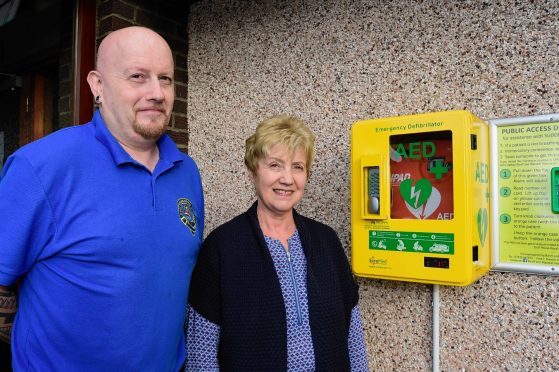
95,83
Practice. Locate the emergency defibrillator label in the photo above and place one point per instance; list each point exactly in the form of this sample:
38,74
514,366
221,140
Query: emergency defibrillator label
405,241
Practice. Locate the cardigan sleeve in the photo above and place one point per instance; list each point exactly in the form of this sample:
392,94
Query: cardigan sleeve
351,286
356,343
204,295
202,341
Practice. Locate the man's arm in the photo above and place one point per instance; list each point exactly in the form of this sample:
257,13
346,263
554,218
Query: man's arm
8,308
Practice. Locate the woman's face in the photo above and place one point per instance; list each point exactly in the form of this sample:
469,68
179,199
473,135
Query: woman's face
280,179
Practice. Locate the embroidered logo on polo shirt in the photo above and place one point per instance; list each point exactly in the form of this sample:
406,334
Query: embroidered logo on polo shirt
186,214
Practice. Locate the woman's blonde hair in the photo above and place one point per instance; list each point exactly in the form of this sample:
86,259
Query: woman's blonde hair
291,132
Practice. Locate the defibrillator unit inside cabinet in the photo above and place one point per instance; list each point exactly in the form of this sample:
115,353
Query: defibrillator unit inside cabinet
420,198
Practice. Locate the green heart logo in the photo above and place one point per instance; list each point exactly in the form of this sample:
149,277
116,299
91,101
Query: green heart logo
416,195
482,225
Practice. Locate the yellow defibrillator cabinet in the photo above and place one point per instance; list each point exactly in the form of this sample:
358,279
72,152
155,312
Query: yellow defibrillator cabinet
420,198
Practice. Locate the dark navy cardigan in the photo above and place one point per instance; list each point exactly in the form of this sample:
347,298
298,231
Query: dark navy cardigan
235,285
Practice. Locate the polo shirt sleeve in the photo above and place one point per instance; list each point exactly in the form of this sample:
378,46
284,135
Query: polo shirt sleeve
26,219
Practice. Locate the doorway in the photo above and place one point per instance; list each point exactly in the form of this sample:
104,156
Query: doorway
35,68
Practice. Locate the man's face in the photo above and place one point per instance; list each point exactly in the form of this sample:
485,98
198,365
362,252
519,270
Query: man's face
137,87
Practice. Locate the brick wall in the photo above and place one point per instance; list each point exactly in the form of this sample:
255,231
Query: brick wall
65,67
167,17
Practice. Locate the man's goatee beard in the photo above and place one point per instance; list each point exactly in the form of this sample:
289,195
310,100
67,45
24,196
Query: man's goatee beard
150,132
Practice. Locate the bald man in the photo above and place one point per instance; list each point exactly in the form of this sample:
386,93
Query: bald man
101,225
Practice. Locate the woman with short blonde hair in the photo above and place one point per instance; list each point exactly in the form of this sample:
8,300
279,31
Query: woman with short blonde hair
272,290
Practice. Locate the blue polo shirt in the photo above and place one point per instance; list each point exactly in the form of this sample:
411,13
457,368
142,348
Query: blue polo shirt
103,249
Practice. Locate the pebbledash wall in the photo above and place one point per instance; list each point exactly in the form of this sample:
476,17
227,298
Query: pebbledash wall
334,62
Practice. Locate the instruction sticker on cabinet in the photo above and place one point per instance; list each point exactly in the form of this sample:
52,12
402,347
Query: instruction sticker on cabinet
528,226
405,241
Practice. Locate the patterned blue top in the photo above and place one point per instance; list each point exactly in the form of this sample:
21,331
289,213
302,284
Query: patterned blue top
291,267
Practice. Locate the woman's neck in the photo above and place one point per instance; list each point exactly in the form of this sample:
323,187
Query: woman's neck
275,226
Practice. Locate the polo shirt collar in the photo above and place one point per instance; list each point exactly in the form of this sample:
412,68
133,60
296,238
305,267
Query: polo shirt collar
168,151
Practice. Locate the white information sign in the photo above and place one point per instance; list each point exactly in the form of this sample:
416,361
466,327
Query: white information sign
524,194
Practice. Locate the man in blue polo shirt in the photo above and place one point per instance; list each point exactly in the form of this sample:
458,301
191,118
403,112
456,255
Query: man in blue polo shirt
100,225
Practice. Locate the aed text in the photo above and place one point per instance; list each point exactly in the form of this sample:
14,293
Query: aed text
416,150
482,171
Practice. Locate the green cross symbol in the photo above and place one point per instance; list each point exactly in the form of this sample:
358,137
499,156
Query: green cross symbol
438,169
